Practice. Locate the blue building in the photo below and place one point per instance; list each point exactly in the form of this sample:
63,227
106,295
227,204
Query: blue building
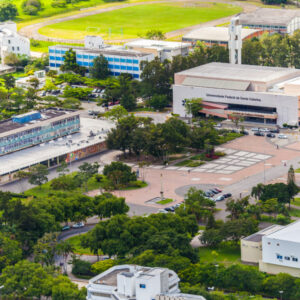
119,59
36,127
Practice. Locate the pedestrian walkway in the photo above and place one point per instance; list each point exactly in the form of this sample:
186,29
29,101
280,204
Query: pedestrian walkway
234,161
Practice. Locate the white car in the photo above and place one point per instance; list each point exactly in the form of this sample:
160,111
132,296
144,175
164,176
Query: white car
264,129
78,225
254,129
282,136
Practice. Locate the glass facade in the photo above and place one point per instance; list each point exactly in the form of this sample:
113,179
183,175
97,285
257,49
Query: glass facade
33,136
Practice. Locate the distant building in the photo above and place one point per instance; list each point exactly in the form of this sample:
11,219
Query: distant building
272,20
120,60
136,283
24,82
259,94
11,41
161,49
251,246
217,35
36,127
280,251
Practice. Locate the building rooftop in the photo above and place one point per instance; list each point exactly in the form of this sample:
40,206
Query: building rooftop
155,44
9,125
269,16
249,73
181,296
219,34
289,233
36,154
257,237
109,50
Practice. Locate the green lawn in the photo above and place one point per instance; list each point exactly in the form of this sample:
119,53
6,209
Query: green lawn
131,22
226,254
296,201
294,212
75,242
165,201
42,46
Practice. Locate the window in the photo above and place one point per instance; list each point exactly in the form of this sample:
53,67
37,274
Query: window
117,67
129,68
85,56
269,243
110,59
57,51
142,286
136,76
51,51
135,61
279,256
110,66
13,48
86,64
52,57
79,56
18,48
294,259
277,244
116,59
287,258
129,61
9,41
123,60
135,68
123,67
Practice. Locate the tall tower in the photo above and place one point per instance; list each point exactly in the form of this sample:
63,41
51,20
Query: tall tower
235,41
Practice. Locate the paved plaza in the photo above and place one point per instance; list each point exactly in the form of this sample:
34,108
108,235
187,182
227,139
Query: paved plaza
234,161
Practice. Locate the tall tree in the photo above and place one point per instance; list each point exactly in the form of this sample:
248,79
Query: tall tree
38,175
99,69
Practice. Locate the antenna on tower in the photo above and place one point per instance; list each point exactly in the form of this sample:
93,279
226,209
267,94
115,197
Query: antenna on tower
235,41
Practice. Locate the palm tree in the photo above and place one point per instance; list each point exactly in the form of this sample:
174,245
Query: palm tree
257,190
65,248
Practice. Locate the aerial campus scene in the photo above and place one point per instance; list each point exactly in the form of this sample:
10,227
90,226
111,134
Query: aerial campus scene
150,149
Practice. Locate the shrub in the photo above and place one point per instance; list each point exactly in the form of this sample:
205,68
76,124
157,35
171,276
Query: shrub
82,268
31,7
102,265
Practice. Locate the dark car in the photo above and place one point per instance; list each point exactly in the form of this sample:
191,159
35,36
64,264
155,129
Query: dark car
274,130
258,133
216,191
271,135
208,194
244,132
228,195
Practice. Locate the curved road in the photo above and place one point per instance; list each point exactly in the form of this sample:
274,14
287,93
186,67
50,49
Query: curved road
31,31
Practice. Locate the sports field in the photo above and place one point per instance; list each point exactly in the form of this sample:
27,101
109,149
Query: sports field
134,21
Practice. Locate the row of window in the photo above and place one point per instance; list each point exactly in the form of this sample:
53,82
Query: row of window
57,51
264,26
279,256
91,57
136,76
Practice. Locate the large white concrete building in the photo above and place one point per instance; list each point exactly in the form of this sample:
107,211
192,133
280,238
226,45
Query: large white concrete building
162,49
275,249
136,283
260,94
11,41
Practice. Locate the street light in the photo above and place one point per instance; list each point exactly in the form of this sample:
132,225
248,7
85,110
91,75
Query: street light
280,292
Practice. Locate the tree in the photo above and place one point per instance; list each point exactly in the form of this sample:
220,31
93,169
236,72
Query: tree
236,119
116,113
193,106
276,190
102,265
70,64
86,171
237,207
119,174
34,82
62,169
31,7
8,11
9,81
211,237
257,190
155,34
46,248
99,69
108,205
293,189
65,248
158,102
38,175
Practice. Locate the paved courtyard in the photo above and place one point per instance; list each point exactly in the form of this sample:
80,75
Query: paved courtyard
234,161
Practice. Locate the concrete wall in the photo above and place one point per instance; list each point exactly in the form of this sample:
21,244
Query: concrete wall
251,252
287,106
275,269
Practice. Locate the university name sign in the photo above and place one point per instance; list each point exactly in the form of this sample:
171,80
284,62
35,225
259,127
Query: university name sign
233,97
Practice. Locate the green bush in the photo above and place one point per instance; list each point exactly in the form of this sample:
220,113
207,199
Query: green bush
194,164
82,268
102,265
31,7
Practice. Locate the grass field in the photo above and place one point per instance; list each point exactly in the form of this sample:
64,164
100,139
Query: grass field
42,46
78,249
135,21
226,254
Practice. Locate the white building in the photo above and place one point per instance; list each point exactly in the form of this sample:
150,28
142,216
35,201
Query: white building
281,250
120,60
11,41
257,93
235,41
161,49
24,82
136,283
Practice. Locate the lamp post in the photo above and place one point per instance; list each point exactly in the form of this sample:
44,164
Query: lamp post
280,292
161,187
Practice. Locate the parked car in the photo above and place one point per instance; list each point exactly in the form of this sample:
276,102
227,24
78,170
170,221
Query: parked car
254,129
274,130
213,191
220,198
78,225
244,132
169,209
208,194
163,211
264,129
218,190
282,136
66,227
271,135
258,133
228,195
